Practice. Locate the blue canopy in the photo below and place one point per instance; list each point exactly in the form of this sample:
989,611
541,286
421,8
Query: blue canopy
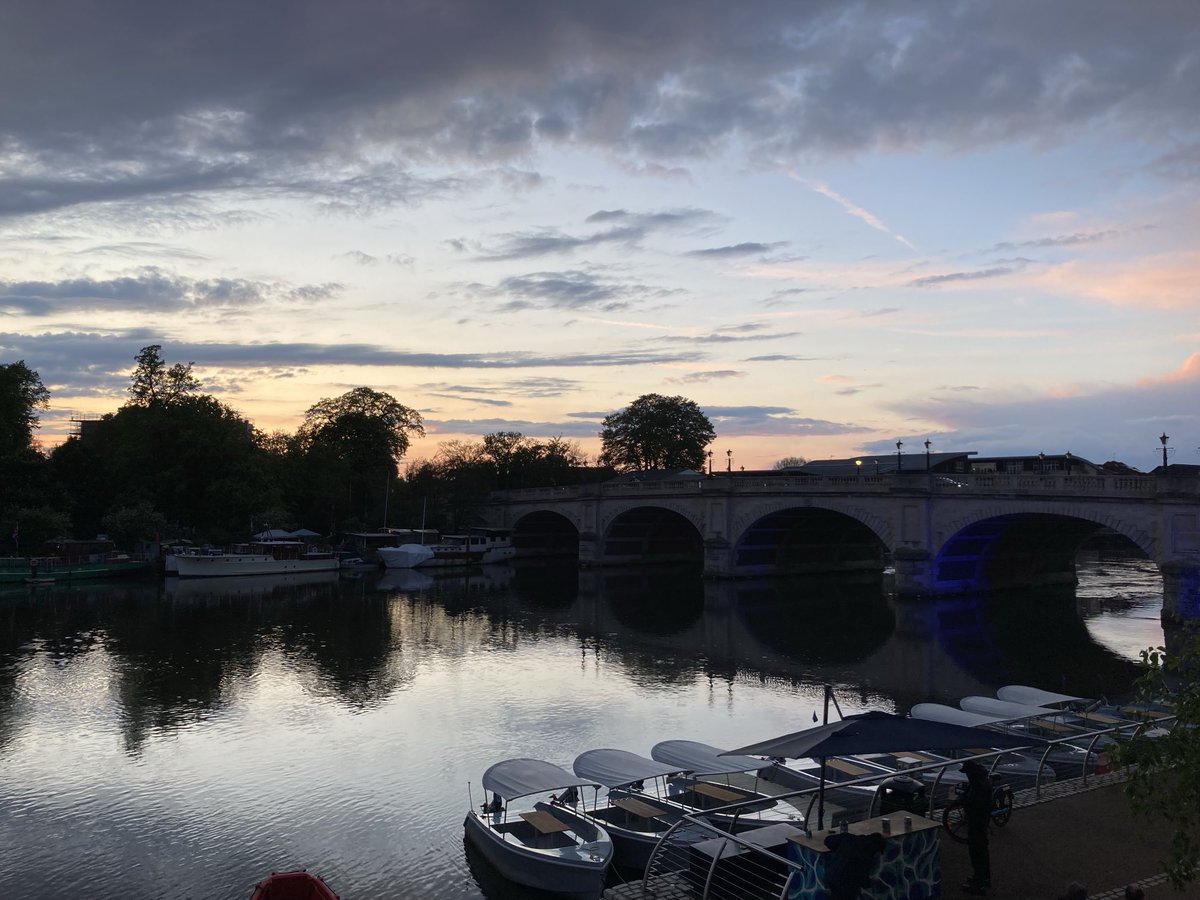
881,732
617,768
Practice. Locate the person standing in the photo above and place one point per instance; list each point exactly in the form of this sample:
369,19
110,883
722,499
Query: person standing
977,804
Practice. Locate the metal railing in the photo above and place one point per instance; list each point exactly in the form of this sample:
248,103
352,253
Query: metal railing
698,859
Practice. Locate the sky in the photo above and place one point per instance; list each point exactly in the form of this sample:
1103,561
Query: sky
833,225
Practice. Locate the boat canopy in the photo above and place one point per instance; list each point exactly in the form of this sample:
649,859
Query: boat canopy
701,759
940,712
514,778
1020,693
617,768
990,706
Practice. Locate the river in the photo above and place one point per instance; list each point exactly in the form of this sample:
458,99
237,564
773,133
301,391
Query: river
185,739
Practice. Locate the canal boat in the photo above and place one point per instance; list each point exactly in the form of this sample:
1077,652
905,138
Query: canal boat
547,846
258,558
47,569
633,817
295,885
480,547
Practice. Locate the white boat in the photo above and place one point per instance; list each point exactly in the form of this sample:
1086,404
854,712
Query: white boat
631,814
481,547
697,788
548,846
258,558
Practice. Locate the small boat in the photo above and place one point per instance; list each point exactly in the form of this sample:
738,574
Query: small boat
1099,713
633,817
295,885
258,558
697,788
480,547
549,846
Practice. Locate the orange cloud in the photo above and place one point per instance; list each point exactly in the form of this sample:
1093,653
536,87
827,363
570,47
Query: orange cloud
1164,281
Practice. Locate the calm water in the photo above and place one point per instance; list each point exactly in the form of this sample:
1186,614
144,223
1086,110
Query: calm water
184,740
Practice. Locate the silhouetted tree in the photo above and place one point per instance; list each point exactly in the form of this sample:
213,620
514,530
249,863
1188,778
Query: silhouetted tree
656,432
153,382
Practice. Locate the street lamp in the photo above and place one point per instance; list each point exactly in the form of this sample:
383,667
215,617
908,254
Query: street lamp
857,468
709,462
1162,439
927,443
729,461
1042,463
899,458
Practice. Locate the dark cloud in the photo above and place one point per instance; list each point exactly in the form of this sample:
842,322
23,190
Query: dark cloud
731,335
98,361
1063,240
518,387
781,357
775,420
703,377
949,277
734,251
627,229
151,289
568,429
138,99
568,290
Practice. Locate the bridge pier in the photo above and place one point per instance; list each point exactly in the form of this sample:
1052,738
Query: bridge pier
914,571
1181,592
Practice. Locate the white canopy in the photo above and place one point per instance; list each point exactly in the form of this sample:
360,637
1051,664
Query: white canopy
1020,693
990,706
701,759
273,534
939,712
617,768
514,778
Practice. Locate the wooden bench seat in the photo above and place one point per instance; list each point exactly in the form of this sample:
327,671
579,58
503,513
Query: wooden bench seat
544,822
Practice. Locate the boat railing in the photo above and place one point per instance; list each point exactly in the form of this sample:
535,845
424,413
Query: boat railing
685,858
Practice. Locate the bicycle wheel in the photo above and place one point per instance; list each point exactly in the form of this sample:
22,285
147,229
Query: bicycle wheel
1003,811
954,820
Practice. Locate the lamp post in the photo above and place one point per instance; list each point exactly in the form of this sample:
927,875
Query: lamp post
1162,439
1041,463
927,443
899,458
857,468
709,462
729,461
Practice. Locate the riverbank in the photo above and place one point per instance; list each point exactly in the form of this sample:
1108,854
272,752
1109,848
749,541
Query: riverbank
1090,837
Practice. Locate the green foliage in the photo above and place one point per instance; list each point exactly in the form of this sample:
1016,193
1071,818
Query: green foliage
153,382
1164,770
21,395
127,525
656,432
35,525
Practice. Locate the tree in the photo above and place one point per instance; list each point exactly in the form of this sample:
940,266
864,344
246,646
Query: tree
789,462
362,425
1164,771
656,432
152,382
21,395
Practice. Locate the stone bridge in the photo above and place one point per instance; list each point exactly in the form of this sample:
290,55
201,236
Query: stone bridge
944,534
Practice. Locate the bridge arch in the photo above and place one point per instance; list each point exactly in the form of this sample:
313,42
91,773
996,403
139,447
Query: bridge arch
790,538
545,532
651,533
997,549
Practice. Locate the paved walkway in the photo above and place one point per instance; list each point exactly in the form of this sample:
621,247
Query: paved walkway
1090,837
1071,834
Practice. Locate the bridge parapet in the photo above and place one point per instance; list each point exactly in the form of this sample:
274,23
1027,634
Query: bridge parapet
1094,486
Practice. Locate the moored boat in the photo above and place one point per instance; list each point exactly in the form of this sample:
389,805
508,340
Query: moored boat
548,846
295,885
480,547
633,817
46,569
258,558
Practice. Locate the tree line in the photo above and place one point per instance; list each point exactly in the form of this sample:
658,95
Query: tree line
175,462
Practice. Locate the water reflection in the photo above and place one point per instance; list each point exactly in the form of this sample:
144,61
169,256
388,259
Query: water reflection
165,736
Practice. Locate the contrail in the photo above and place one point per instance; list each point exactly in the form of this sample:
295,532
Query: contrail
855,210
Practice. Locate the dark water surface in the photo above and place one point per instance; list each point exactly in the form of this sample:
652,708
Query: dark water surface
184,740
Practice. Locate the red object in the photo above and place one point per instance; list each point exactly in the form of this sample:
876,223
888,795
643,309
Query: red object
297,885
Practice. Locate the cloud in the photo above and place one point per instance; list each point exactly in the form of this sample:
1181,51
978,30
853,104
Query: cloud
852,208
950,277
539,387
150,289
568,290
1063,240
704,377
1159,281
626,229
775,420
734,251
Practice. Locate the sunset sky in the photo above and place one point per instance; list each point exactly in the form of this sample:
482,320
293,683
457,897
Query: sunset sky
832,225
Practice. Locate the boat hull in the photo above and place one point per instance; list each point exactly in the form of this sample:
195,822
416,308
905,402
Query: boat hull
577,870
47,571
439,556
249,564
